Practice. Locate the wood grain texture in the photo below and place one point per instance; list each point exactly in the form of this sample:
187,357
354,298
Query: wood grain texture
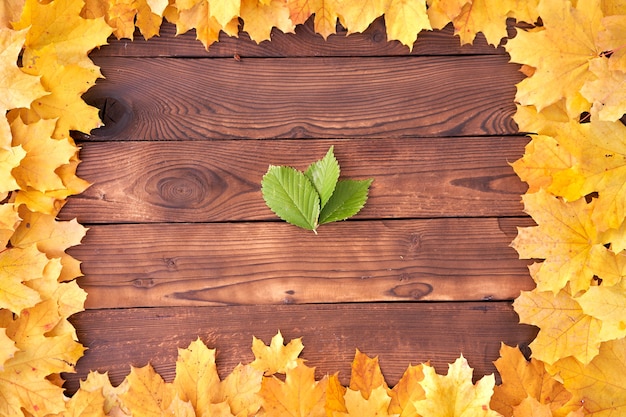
303,42
146,265
259,98
399,333
219,181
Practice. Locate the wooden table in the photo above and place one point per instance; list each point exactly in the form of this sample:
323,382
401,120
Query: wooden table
182,245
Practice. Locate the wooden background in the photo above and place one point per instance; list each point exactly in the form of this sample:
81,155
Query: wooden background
182,245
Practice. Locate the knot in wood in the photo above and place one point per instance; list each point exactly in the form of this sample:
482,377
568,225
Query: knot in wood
414,291
180,187
143,283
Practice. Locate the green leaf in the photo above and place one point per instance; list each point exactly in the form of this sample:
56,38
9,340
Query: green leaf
324,175
347,200
290,194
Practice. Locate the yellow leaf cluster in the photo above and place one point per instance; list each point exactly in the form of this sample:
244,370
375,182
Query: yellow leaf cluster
44,71
404,19
574,164
261,389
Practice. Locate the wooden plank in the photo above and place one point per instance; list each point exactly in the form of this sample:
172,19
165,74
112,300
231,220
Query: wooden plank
219,181
147,265
399,333
258,98
304,42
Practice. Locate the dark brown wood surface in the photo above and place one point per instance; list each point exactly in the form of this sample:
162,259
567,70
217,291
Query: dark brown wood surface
274,263
182,246
399,333
344,97
219,181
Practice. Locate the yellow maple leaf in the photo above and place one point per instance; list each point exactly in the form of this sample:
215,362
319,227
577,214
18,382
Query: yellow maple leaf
85,404
66,84
489,17
442,12
366,374
259,19
9,220
24,380
522,379
18,88
276,357
606,93
609,266
404,20
565,237
7,348
58,25
299,395
560,52
607,304
543,157
241,390
36,395
189,14
542,122
123,15
51,236
599,149
611,39
224,11
100,382
454,395
10,11
356,16
17,266
196,378
325,11
43,155
376,405
120,15
148,395
530,407
9,159
599,386
565,330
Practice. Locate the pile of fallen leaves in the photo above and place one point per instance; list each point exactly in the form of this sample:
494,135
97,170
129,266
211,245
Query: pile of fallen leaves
575,165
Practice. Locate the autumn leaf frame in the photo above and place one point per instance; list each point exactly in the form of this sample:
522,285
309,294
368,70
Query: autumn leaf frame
575,62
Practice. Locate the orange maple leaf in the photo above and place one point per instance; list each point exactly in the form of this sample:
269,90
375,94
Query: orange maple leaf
522,379
325,11
366,374
299,395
